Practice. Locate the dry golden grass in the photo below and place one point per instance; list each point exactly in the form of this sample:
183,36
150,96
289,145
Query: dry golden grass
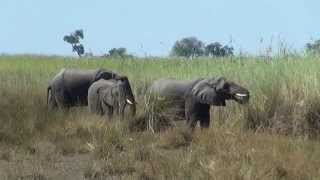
274,137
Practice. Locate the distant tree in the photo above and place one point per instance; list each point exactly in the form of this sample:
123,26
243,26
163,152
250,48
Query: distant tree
213,49
313,48
121,52
188,47
216,49
227,50
118,52
74,40
88,54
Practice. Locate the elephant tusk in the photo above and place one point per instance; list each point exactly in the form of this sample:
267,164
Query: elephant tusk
241,95
128,101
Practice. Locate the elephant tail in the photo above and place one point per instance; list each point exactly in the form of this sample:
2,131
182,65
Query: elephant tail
48,91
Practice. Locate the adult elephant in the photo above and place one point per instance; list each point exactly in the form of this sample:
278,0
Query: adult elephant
193,98
107,96
70,86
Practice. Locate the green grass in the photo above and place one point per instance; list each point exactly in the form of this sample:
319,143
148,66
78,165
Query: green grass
274,137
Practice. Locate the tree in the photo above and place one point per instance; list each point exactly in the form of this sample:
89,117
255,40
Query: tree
213,49
121,52
118,52
216,49
188,47
227,51
74,40
313,48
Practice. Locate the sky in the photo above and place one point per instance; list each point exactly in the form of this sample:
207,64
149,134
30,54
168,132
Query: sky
150,28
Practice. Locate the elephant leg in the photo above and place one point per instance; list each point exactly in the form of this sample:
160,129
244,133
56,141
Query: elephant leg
205,122
110,112
191,123
195,112
52,103
133,110
99,108
204,116
121,110
61,100
190,114
107,110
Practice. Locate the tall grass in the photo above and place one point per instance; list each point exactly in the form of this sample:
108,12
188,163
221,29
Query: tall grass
274,137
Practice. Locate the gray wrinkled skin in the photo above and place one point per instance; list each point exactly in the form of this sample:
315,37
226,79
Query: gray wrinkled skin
70,87
108,96
192,99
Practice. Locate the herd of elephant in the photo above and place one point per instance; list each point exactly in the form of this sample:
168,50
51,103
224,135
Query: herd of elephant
106,92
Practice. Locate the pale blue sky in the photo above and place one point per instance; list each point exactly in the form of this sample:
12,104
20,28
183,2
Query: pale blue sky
149,27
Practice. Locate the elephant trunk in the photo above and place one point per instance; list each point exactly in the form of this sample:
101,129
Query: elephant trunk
48,91
130,100
133,109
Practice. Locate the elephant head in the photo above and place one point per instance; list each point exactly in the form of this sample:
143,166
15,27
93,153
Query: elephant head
216,91
104,74
125,88
118,95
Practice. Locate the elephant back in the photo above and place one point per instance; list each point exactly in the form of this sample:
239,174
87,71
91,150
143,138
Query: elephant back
76,76
169,87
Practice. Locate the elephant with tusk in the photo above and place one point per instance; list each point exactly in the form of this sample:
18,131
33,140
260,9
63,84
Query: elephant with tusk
192,99
107,96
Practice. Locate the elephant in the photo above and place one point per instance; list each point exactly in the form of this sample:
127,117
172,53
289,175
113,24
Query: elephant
107,96
70,87
193,98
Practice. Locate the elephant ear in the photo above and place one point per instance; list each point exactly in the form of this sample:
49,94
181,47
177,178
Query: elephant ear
104,74
220,84
204,92
106,95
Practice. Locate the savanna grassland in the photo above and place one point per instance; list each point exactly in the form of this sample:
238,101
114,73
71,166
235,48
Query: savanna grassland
275,136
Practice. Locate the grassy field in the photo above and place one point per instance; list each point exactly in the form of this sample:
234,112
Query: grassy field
275,136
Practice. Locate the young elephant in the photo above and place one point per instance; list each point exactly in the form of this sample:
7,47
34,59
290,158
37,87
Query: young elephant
107,96
194,98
